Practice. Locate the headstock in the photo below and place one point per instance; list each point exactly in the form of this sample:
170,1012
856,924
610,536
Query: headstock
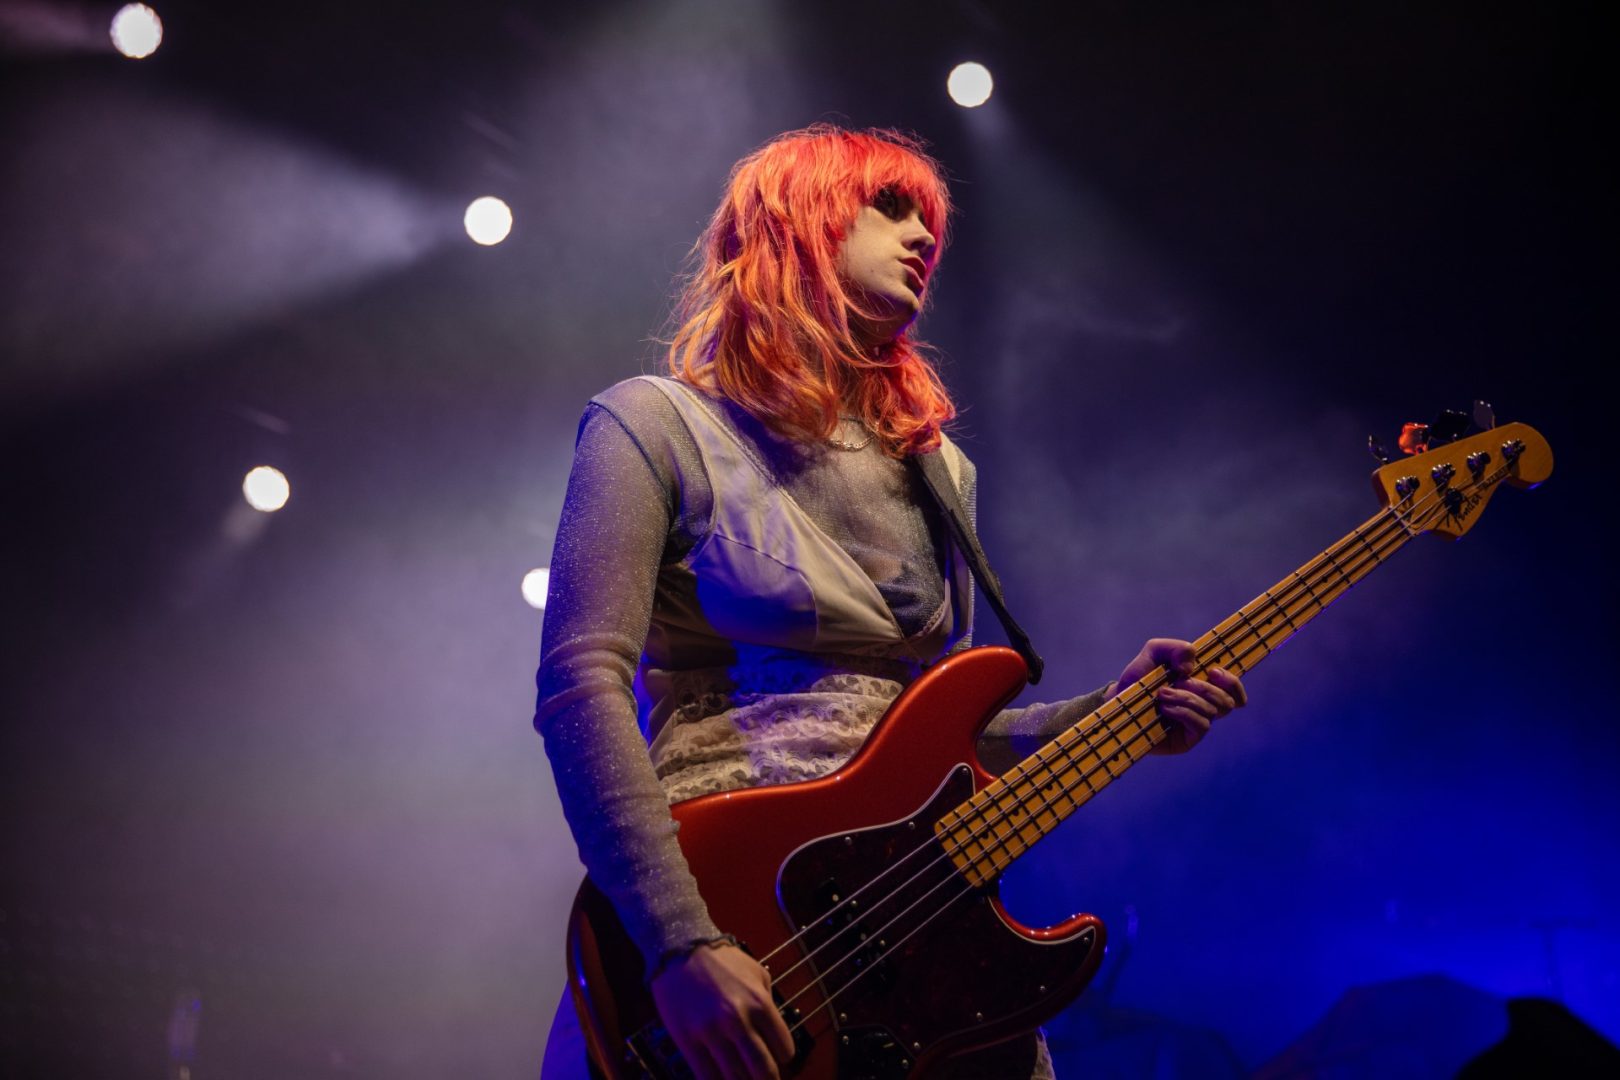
1444,489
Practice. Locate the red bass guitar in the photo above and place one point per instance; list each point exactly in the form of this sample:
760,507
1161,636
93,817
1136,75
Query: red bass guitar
870,894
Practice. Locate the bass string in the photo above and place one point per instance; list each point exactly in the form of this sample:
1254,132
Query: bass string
1255,637
1134,715
898,864
1143,689
1092,740
968,887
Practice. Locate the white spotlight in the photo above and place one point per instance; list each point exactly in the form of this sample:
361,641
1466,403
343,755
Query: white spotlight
535,585
488,220
266,488
136,31
970,84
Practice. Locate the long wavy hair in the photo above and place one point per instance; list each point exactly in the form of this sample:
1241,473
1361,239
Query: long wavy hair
763,316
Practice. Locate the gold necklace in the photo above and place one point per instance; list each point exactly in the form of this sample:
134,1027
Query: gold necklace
843,444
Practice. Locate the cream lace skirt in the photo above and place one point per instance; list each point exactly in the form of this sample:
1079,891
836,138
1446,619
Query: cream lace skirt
773,723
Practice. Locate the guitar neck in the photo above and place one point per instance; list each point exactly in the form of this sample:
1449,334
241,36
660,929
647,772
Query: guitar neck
986,833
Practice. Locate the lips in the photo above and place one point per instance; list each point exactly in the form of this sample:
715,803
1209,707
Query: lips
919,271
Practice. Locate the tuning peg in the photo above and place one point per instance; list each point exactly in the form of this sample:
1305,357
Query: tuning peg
1414,438
1484,415
1376,449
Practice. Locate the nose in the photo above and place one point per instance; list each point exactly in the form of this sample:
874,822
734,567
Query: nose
918,238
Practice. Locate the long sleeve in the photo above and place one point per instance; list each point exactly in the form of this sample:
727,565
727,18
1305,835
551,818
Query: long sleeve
611,539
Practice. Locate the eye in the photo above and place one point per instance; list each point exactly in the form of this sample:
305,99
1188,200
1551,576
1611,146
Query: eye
887,203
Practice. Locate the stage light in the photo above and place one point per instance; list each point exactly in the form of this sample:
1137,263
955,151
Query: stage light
265,488
488,220
970,84
136,31
535,585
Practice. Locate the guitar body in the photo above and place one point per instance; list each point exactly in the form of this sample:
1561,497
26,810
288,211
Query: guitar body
901,973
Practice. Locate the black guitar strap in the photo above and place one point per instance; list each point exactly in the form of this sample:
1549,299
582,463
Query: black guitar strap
936,478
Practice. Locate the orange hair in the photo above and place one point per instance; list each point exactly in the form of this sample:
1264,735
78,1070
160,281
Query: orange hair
764,318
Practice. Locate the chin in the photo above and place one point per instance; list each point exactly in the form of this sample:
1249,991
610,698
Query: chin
907,305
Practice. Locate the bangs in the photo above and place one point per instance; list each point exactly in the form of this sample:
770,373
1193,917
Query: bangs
898,162
816,178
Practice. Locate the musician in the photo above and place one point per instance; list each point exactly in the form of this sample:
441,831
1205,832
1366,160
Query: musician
746,563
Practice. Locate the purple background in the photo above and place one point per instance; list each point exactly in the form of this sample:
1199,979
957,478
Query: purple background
283,765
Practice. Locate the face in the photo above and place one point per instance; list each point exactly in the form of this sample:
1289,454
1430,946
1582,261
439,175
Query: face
887,257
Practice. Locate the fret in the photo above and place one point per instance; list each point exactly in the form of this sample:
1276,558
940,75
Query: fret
1333,561
1307,586
1281,611
1228,649
1376,558
1257,632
